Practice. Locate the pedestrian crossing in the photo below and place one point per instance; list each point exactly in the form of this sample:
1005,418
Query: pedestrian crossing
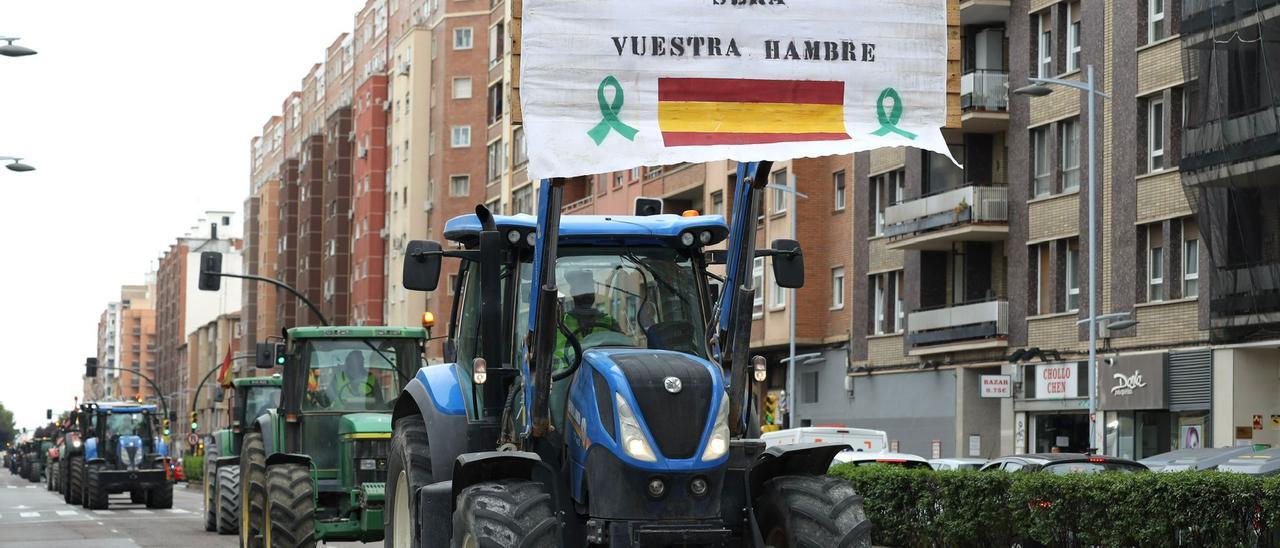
87,514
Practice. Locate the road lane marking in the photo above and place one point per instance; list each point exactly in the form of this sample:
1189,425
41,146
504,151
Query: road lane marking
68,513
29,514
139,511
178,511
104,512
12,486
31,487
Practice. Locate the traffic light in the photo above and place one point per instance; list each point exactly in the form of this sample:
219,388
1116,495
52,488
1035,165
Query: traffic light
48,414
194,424
166,427
91,367
210,271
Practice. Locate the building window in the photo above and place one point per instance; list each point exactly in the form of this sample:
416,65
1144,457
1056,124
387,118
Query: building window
900,314
497,43
1073,36
757,282
810,387
1155,134
462,38
1070,155
1072,269
635,174
777,296
1155,264
886,307
717,203
779,179
1191,268
1040,257
837,288
495,160
460,185
1040,159
518,149
1155,21
461,136
617,180
837,183
886,189
1045,46
495,103
462,87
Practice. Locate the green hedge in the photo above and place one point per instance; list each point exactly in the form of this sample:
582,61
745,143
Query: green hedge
928,508
193,468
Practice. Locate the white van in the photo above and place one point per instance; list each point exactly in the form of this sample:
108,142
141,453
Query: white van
860,439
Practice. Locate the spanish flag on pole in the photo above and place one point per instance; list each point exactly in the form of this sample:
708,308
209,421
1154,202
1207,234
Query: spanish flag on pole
732,111
225,376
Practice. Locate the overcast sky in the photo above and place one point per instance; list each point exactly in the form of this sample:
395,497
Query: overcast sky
137,116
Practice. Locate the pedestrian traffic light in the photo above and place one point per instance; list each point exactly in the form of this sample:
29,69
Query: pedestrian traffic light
210,271
91,367
194,424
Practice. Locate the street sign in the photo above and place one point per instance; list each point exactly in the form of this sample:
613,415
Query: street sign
192,439
996,386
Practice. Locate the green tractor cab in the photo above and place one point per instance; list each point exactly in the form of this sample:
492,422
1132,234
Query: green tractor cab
251,397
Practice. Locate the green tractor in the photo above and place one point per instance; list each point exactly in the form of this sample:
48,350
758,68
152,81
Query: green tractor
35,457
252,397
298,487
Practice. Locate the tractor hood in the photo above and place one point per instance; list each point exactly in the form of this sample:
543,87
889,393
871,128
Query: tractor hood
364,423
129,448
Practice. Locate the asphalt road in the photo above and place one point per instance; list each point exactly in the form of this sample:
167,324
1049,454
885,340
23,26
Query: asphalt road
32,517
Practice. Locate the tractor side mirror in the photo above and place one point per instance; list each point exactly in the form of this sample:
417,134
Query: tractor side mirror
210,271
422,260
268,355
788,264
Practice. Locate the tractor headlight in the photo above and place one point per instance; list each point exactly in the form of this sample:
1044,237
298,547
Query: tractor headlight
704,237
513,236
633,440
686,239
75,443
718,445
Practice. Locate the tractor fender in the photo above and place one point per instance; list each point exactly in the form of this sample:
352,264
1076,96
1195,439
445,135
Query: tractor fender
226,461
473,468
288,458
434,393
95,460
800,459
267,428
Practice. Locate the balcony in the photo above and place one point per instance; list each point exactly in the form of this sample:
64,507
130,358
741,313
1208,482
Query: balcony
1245,296
1232,144
578,206
957,328
983,12
984,101
972,213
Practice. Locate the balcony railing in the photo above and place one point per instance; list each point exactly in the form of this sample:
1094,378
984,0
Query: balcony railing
984,90
970,204
578,204
982,320
1231,139
1246,295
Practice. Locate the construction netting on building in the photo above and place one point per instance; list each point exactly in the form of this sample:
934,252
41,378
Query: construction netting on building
1230,160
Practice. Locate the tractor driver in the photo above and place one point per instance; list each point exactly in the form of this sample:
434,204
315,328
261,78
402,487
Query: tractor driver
584,318
355,383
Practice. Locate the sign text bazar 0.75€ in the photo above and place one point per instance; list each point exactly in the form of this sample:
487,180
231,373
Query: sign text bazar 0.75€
608,85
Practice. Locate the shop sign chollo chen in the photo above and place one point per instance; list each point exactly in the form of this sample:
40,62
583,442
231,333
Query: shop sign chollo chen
1055,381
1133,382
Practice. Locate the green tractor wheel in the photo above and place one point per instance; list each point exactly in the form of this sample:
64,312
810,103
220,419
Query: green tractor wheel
228,500
812,511
210,491
95,493
253,490
505,513
291,507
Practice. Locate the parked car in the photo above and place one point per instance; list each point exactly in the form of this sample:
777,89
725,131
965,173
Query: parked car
1262,463
957,464
1199,459
860,439
1064,463
864,458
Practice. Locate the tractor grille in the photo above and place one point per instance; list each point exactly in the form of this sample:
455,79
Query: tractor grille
371,460
676,421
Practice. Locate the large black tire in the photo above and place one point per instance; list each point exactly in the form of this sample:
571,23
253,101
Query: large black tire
210,490
228,500
803,511
253,490
291,507
408,470
75,485
36,473
138,496
505,513
95,493
160,497
48,477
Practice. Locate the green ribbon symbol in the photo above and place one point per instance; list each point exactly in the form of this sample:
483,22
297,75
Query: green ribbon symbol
609,112
888,122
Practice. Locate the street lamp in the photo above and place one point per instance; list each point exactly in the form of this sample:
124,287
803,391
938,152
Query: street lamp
10,50
790,188
1040,89
16,164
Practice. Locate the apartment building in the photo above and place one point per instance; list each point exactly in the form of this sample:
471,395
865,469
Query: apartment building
104,386
339,137
288,191
208,345
369,167
135,343
311,208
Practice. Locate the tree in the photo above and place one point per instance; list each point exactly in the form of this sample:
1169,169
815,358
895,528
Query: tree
7,429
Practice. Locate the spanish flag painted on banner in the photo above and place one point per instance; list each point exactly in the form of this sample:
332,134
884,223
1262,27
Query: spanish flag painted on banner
731,111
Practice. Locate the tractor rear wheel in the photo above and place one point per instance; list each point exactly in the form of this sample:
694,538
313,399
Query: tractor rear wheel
408,470
160,497
48,478
228,499
95,493
291,507
210,491
35,472
797,511
74,481
253,490
505,513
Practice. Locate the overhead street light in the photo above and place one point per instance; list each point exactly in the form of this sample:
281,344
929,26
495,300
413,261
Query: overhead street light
10,50
15,164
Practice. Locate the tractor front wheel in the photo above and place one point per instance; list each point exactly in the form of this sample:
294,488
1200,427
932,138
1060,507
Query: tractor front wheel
210,491
95,493
505,513
253,490
228,499
75,483
138,496
291,507
797,511
408,470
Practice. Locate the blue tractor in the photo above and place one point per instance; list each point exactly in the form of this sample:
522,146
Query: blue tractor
597,390
123,453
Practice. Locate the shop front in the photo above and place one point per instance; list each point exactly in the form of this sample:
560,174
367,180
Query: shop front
1155,402
1051,412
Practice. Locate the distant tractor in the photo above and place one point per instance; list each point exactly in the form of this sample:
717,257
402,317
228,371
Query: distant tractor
252,397
122,453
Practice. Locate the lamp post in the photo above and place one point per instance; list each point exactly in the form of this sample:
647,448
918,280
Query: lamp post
1039,89
10,50
790,188
15,164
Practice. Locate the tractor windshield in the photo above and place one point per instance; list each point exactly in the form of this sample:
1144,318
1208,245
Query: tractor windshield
128,424
259,399
634,297
357,374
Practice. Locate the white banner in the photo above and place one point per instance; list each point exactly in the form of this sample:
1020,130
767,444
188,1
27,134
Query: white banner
608,85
